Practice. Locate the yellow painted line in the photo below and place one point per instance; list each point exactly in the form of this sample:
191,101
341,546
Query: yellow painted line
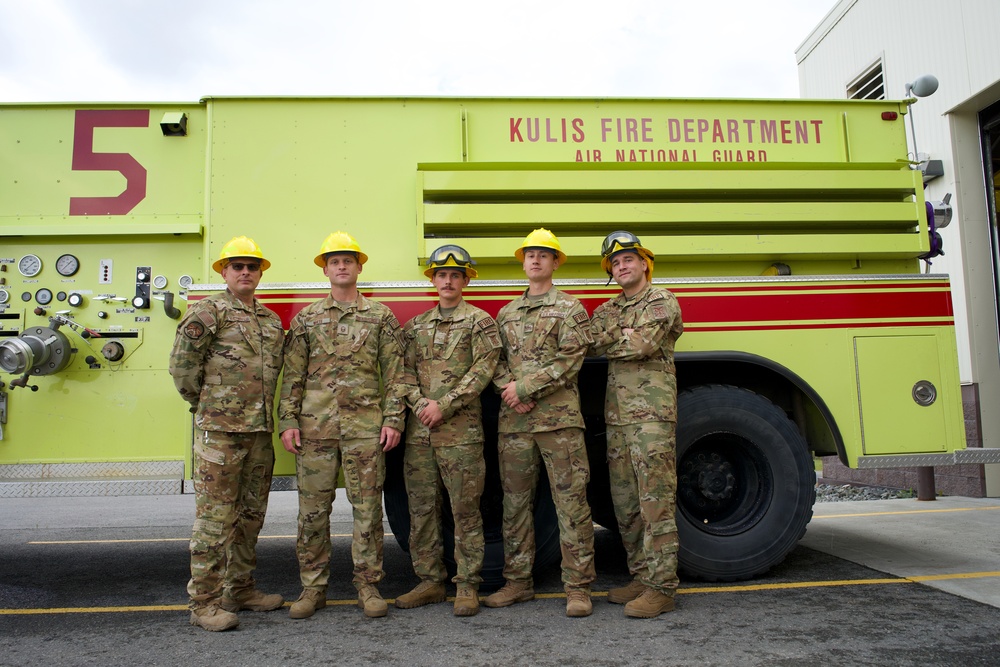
557,596
91,610
944,577
954,509
113,610
793,584
158,539
172,539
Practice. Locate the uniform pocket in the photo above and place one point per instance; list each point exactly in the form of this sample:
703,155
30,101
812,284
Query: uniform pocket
359,341
456,336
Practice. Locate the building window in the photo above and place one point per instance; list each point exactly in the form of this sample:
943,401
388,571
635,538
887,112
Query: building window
869,85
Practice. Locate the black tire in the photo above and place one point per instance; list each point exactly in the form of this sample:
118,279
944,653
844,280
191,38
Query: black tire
397,509
745,483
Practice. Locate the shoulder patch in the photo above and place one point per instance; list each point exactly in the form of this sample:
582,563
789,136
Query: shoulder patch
206,317
487,327
659,311
581,317
194,330
396,331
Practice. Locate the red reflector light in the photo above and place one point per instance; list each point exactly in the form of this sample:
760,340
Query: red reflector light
889,115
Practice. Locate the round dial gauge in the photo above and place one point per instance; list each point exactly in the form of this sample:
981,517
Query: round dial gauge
75,300
44,296
4,296
67,265
159,282
185,281
29,266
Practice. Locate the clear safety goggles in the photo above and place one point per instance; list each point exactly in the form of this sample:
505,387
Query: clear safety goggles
618,241
450,255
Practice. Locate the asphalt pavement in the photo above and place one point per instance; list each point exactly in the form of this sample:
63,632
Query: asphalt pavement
100,581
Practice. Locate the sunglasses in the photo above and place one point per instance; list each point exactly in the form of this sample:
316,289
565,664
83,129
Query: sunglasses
252,267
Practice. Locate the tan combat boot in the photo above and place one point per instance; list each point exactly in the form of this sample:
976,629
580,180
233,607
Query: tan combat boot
252,600
512,591
214,618
466,601
426,592
578,603
371,602
626,593
650,604
309,601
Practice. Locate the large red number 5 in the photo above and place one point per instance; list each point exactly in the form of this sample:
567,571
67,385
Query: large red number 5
85,159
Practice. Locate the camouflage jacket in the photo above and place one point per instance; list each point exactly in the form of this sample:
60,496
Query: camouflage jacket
335,360
225,362
450,361
642,381
544,345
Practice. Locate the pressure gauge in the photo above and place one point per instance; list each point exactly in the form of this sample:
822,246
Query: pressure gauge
29,266
4,296
67,265
44,296
185,281
159,282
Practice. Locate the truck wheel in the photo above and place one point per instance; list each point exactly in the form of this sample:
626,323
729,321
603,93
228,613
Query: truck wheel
547,550
745,483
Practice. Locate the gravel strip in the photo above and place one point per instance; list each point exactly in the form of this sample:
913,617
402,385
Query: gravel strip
827,493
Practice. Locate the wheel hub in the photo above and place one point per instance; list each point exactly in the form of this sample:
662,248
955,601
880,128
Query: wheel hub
716,479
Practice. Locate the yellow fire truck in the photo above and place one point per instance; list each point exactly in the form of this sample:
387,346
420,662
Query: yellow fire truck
790,231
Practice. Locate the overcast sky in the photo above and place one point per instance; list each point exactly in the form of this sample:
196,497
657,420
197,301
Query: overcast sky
182,50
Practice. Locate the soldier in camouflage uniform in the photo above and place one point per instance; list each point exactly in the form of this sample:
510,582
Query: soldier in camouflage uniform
338,353
451,355
225,362
545,336
637,331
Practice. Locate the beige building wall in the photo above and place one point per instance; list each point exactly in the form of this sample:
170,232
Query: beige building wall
956,42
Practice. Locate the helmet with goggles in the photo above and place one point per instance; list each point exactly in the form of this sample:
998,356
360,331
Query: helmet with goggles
451,257
622,241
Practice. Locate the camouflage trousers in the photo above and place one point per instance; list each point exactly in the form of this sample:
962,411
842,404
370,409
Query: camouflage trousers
565,457
462,472
232,482
316,470
642,463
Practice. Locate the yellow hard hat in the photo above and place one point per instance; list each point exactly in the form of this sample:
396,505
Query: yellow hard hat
541,238
339,242
451,256
240,246
622,241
